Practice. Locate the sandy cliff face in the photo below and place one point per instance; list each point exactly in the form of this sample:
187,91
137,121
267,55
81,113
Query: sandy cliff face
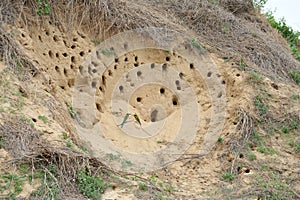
210,126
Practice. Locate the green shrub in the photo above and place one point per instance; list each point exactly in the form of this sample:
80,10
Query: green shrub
291,36
143,186
44,7
91,186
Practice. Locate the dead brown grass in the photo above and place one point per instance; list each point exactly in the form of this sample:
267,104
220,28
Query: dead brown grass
24,144
233,29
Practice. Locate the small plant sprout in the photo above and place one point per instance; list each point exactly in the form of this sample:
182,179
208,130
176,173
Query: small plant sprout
43,118
90,186
228,176
196,44
220,140
71,110
143,186
295,75
44,7
96,42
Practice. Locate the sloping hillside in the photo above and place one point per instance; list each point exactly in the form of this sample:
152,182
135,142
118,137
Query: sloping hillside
146,99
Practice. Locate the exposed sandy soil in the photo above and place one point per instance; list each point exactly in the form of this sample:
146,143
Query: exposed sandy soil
166,109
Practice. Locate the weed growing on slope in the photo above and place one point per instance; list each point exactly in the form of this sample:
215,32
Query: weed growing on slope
254,78
43,118
227,176
50,187
44,7
261,107
11,185
91,186
295,75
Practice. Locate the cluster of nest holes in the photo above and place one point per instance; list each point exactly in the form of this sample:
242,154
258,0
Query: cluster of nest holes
161,91
70,82
240,169
58,55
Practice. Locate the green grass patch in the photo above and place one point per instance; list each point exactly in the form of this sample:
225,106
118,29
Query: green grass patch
254,78
228,177
28,120
43,118
266,150
261,107
296,97
143,186
96,42
295,76
251,156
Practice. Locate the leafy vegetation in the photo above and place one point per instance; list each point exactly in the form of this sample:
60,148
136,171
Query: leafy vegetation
272,182
90,186
259,3
296,97
251,156
49,188
295,75
242,65
43,118
291,36
228,176
220,140
27,119
143,186
96,41
71,110
69,142
44,7
260,105
11,185
254,77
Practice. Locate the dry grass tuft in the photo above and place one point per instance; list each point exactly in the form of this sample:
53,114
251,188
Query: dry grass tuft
233,29
20,139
